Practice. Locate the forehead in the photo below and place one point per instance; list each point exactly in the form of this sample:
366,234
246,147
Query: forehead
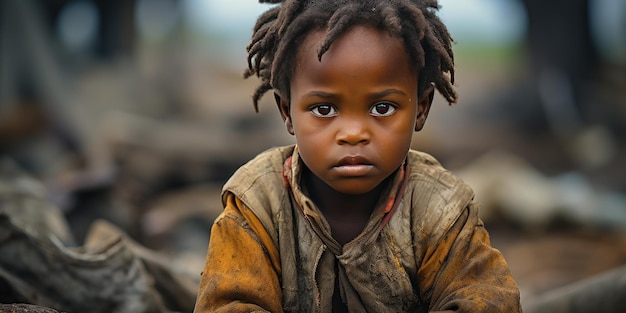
359,50
361,35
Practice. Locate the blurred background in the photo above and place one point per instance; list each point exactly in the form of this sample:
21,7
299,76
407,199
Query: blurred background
136,112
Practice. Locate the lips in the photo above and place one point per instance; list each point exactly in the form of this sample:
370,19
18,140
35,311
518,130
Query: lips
353,166
353,160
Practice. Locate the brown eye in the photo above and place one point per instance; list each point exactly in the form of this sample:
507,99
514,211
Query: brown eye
382,109
324,110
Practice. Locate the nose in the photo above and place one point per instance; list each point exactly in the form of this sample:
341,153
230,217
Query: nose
353,131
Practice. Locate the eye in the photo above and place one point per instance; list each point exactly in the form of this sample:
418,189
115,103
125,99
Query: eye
323,110
382,109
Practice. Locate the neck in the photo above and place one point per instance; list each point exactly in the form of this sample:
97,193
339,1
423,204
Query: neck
339,206
346,214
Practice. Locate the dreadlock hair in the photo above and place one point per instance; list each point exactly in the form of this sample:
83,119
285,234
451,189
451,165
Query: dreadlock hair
279,31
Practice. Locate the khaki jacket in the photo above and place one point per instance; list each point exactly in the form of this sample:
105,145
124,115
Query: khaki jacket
268,252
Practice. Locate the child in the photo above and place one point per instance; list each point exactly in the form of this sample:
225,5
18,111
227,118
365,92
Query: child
350,219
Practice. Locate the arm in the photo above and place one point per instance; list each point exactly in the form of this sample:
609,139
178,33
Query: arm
242,268
471,276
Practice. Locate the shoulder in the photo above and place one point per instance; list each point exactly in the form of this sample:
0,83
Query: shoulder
266,165
437,196
260,186
426,172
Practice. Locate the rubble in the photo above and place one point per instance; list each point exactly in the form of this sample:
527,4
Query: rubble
108,273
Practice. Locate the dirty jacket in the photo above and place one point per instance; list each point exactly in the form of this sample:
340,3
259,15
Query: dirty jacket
270,248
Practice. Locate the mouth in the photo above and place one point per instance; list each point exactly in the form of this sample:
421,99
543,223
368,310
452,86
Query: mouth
353,166
353,160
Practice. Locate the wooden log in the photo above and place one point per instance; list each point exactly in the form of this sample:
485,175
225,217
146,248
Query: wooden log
25,199
24,308
107,278
109,273
175,286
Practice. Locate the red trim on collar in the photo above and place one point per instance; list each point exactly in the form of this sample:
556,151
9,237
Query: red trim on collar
286,171
394,199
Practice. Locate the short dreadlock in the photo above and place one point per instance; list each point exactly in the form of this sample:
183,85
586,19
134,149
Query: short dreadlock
278,32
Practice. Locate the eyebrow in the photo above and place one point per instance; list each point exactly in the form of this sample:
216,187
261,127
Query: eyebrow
328,95
320,94
387,92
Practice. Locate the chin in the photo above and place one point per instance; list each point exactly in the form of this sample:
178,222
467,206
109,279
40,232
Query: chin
354,188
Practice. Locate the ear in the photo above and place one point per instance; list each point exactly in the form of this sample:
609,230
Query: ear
285,110
423,106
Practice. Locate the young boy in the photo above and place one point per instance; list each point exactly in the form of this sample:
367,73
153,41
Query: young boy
350,219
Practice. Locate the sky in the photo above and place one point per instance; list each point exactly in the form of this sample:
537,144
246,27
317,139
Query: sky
482,20
500,22
469,21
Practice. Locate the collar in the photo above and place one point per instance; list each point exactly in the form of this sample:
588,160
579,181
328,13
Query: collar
384,209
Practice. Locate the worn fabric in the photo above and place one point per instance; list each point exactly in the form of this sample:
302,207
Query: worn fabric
271,249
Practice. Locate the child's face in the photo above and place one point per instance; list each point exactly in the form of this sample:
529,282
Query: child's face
353,114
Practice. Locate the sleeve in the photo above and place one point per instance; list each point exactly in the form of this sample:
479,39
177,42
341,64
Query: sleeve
471,276
242,268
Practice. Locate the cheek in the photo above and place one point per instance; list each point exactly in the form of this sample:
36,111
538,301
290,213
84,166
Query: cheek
306,125
305,131
397,136
402,127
